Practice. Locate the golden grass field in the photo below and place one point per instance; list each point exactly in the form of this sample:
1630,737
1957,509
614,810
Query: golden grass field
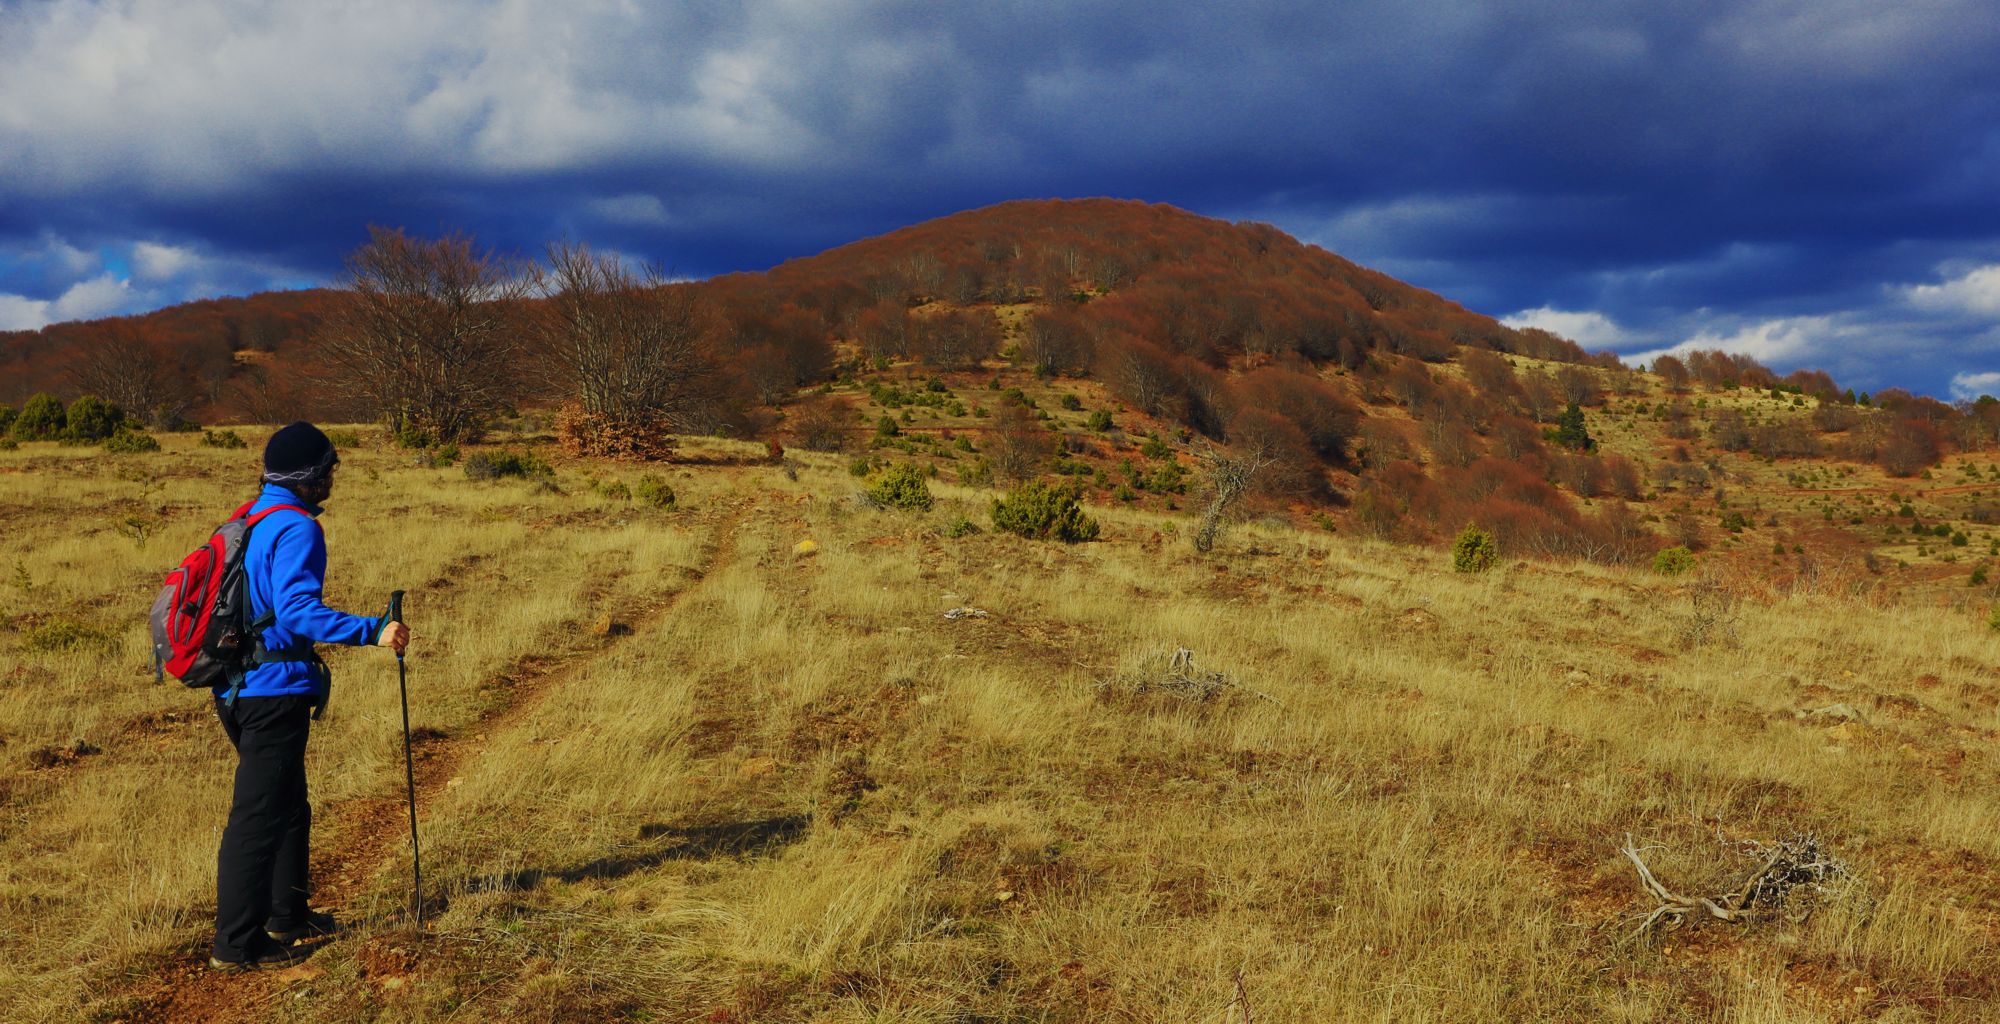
670,770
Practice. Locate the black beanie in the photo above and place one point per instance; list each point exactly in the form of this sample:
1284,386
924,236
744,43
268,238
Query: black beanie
298,454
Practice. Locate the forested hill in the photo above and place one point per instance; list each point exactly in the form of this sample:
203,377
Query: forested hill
1168,282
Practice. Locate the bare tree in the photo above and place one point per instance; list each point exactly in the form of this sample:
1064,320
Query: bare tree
123,369
632,352
423,336
1020,445
1230,475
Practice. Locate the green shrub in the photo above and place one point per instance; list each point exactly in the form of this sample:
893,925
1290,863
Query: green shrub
8,444
1125,493
1960,539
1100,420
886,427
615,490
7,415
862,465
1474,550
344,438
91,419
64,637
221,439
1038,511
1978,577
131,442
960,527
1154,448
1673,561
1735,522
902,486
654,491
1170,478
496,465
411,438
41,419
1072,403
978,474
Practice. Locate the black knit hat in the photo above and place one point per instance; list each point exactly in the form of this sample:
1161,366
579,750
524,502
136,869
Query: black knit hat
298,454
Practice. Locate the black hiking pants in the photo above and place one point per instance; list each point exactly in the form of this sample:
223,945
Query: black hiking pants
260,873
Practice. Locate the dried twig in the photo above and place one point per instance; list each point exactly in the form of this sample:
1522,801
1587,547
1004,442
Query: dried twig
1790,866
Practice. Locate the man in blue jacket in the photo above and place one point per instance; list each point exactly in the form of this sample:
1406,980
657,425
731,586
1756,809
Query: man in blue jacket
261,886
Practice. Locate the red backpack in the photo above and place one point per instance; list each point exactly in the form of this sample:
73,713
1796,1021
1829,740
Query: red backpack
201,620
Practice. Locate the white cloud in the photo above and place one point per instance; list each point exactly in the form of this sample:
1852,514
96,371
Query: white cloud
20,313
156,262
1968,386
102,295
1590,329
636,208
1976,291
1784,341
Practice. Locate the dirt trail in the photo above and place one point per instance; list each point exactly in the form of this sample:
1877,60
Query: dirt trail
374,830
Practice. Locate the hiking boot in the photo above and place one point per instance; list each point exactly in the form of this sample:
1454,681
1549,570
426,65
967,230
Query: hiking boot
315,925
273,958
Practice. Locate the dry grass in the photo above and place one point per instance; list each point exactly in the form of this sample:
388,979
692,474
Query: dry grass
795,791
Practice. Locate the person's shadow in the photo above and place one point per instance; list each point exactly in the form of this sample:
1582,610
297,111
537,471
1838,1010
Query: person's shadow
700,842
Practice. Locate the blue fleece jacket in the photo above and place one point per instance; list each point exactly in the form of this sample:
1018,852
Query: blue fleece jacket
285,564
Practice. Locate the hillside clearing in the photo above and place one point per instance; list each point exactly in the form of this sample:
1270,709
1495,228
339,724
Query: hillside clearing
675,770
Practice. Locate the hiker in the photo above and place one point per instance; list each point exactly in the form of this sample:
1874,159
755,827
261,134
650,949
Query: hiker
261,888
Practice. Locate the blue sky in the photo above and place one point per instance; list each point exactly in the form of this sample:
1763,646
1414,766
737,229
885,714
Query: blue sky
1814,183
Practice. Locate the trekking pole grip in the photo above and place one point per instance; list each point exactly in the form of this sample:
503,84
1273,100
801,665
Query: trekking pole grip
395,606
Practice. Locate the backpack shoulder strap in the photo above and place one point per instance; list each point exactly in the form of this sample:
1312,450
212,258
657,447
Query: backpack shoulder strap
259,517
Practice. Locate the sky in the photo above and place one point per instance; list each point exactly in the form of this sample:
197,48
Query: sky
1816,184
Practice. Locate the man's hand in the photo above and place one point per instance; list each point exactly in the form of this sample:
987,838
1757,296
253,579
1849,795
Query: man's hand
395,636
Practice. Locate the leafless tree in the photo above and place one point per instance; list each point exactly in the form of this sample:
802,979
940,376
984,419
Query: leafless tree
1020,444
633,352
123,369
1230,473
424,334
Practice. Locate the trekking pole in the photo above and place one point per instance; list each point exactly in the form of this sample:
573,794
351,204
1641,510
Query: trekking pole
409,770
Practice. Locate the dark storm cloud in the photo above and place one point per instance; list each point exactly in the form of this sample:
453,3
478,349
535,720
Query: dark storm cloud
1688,172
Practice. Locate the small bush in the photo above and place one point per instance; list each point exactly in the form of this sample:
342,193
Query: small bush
902,486
497,465
1993,619
131,442
91,419
344,438
7,415
1978,578
861,466
1474,550
221,439
1673,561
411,438
1154,448
65,637
1100,420
1735,522
615,490
886,427
1072,403
978,474
960,527
41,419
652,490
1038,511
